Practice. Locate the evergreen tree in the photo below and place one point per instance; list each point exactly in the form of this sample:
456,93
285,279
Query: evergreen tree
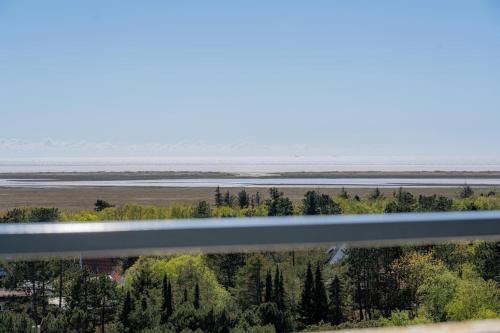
143,281
257,199
405,202
218,197
306,301
202,210
126,310
281,293
227,265
335,306
343,193
167,301
376,194
466,192
277,294
279,205
320,301
249,285
228,199
310,204
327,206
101,205
223,322
196,296
268,294
243,199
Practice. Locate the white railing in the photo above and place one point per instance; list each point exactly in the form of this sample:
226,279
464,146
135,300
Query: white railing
107,239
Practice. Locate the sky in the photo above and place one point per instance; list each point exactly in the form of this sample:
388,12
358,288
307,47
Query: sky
249,78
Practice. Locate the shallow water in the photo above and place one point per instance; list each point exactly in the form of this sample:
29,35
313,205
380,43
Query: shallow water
259,182
254,165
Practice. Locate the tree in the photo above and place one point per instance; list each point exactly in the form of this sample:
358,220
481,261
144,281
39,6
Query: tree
343,194
327,206
228,199
434,203
306,301
320,301
281,303
143,279
268,294
335,306
36,214
474,298
487,259
405,202
105,298
243,199
310,203
249,283
218,197
279,205
376,194
196,296
15,322
167,301
466,192
227,265
202,210
125,311
257,199
101,205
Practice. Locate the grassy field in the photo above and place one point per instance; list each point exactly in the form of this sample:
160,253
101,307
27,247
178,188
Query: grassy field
74,199
145,175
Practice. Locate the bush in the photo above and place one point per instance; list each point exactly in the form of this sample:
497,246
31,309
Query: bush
402,318
11,322
474,298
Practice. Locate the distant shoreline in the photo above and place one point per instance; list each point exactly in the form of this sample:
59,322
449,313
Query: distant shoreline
151,175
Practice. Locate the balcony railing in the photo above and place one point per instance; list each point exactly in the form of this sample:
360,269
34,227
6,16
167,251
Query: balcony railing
94,239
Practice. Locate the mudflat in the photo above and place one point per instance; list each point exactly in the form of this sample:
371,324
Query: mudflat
78,198
73,199
149,175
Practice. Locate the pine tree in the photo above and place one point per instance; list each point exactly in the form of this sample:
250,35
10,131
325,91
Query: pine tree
276,290
196,297
279,289
249,284
320,301
466,192
310,203
223,322
281,304
376,194
306,301
343,193
269,288
228,199
167,304
125,312
143,281
202,210
335,306
243,199
218,197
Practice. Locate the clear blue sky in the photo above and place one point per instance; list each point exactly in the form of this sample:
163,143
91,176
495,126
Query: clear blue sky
249,77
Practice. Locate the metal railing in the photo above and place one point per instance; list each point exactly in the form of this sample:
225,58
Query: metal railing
121,238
